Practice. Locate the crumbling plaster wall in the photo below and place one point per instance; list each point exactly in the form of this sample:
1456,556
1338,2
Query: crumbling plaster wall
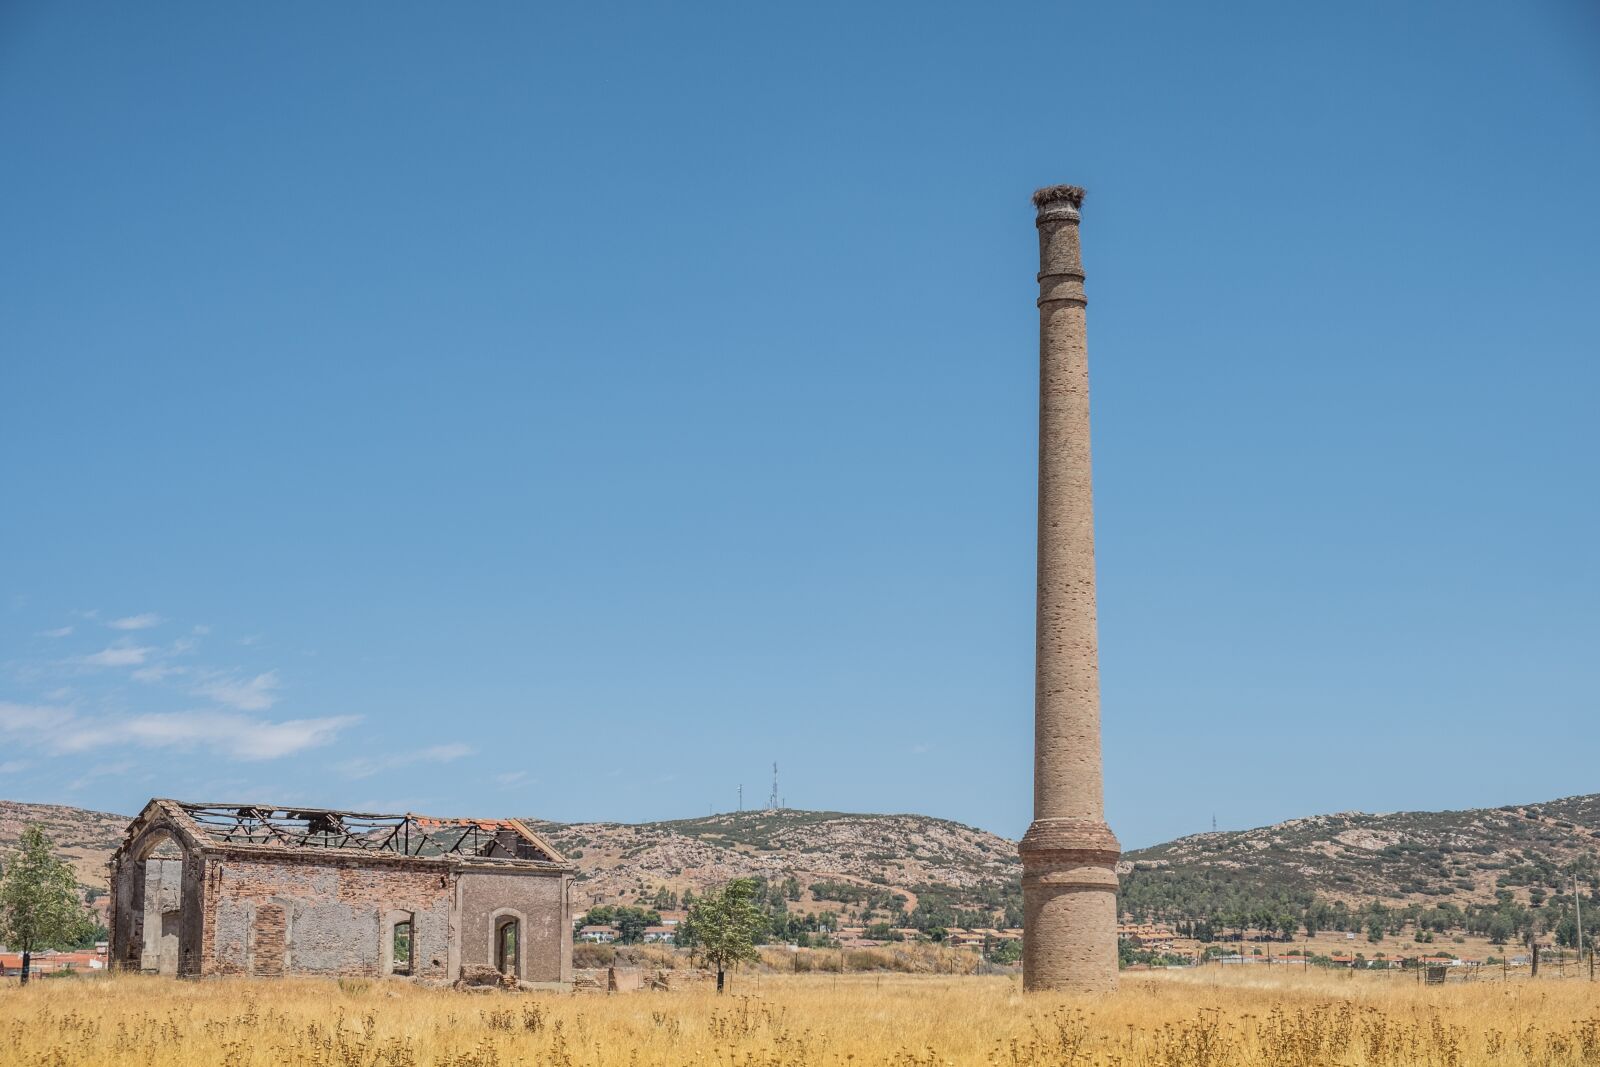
310,915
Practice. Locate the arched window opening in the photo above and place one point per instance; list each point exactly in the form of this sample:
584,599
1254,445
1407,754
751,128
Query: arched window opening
507,945
404,945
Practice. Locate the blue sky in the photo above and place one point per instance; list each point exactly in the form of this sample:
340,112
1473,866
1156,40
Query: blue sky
568,410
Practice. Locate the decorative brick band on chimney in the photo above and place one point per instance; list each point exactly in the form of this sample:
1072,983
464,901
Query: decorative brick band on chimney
1069,854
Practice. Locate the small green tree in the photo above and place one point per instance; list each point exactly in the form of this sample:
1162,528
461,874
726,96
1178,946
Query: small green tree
723,926
1006,952
39,900
631,923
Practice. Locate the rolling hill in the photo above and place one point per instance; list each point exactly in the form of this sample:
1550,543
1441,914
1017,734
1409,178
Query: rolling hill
1401,858
622,862
84,838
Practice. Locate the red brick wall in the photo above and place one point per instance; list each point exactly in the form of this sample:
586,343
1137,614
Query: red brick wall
268,934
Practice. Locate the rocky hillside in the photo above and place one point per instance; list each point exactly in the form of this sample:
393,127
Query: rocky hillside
1406,857
85,838
621,862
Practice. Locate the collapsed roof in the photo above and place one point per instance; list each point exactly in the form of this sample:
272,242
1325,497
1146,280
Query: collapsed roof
268,826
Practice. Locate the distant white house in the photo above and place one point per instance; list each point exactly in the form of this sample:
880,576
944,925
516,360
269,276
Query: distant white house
603,935
659,934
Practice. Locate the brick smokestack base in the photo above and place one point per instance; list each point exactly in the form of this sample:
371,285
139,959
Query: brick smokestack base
1069,855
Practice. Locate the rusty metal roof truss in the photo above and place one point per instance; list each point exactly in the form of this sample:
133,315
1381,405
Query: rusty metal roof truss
403,835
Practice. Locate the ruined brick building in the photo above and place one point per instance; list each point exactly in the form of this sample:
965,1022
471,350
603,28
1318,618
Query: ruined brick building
247,889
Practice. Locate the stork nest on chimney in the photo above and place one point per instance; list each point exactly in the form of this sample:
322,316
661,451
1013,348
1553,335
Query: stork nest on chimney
1072,194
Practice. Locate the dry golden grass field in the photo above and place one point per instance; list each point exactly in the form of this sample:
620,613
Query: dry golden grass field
1194,1019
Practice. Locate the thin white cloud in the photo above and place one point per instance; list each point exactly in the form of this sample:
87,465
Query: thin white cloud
246,694
239,737
232,723
367,766
158,672
14,766
59,631
510,778
60,731
119,656
31,718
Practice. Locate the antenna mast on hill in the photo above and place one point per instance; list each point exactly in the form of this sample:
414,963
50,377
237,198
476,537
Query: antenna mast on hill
741,796
773,803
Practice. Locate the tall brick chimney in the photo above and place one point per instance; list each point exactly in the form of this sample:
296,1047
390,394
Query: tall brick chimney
1069,854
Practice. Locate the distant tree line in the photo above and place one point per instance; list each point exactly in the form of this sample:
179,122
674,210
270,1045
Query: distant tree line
1211,906
770,899
872,898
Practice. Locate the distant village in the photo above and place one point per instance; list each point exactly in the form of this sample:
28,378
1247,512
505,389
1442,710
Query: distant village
1158,939
1144,946
51,962
851,937
1160,944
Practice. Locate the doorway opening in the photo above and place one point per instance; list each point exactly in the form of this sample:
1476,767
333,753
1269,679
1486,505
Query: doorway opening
161,916
507,947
